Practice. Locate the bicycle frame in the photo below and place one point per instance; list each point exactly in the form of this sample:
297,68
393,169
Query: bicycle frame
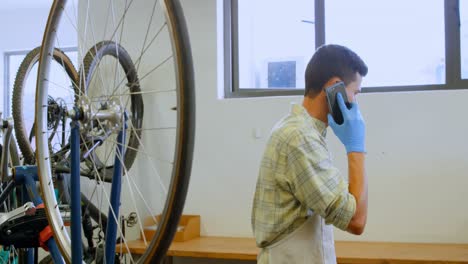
25,176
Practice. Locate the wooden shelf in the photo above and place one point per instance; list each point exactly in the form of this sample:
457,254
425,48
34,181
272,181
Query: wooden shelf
386,252
347,252
188,243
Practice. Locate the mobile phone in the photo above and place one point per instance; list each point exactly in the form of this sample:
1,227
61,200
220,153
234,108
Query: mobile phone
332,92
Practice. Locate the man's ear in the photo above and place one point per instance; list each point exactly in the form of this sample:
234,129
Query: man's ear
323,94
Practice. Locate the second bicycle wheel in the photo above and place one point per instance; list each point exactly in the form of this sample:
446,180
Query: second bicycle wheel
136,75
23,102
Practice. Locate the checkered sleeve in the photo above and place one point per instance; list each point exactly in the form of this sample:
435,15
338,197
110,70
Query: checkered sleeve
316,183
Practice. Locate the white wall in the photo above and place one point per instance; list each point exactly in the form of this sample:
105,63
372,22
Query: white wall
22,30
417,157
417,145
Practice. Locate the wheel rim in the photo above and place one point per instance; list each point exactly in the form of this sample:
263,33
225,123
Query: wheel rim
176,181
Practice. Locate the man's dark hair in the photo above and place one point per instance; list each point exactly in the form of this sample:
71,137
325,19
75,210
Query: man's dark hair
332,61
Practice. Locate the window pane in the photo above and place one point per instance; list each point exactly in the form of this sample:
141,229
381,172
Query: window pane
464,38
276,40
401,41
56,89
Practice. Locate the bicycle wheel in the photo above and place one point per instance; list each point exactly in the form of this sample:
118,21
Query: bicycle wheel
157,77
90,62
22,100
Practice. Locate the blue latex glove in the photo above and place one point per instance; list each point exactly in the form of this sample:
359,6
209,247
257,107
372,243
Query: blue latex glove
352,132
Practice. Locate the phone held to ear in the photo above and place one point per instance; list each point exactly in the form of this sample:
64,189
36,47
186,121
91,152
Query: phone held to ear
332,99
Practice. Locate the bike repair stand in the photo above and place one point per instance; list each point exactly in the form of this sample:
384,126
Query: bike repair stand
77,250
111,232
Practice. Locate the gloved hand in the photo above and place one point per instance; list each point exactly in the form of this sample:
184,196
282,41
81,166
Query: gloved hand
352,132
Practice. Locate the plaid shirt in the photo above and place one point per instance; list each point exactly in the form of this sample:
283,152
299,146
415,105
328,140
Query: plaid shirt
297,175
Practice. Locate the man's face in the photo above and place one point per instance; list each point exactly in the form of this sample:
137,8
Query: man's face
354,88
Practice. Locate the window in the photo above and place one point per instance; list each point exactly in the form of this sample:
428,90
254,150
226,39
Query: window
12,63
274,46
408,45
398,46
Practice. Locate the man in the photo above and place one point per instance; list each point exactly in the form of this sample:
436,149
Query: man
299,193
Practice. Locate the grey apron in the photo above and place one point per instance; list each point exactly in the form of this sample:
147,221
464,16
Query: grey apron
311,243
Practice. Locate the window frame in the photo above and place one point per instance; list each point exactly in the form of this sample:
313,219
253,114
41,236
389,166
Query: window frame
8,87
453,80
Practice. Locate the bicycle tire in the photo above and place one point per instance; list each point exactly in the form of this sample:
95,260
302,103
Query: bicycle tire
186,136
22,74
185,133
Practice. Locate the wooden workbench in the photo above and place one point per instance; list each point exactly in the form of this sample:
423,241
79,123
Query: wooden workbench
347,252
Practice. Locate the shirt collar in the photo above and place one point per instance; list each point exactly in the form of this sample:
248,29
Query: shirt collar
321,127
